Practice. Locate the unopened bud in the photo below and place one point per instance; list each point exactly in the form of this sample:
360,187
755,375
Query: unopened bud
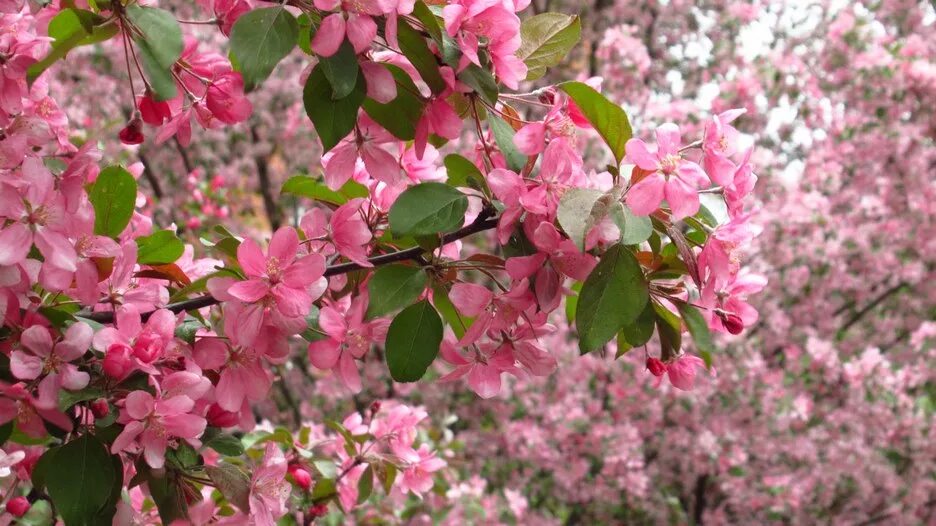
657,367
18,506
375,407
132,133
218,417
732,322
117,360
301,477
318,510
99,408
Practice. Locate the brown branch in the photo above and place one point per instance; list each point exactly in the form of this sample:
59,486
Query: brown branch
263,174
482,223
874,303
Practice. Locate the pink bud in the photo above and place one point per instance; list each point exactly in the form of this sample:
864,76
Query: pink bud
375,407
218,417
318,510
301,477
147,347
657,368
132,133
117,360
732,322
18,506
99,408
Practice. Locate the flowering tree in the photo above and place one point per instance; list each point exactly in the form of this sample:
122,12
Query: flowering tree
133,360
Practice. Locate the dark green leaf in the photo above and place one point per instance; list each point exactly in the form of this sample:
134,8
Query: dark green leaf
428,208
399,116
81,479
669,327
413,341
232,482
481,81
333,118
312,188
640,330
429,21
455,320
160,248
260,39
546,39
464,173
613,296
608,119
575,213
341,70
634,229
159,45
113,197
414,47
699,330
227,445
504,135
393,287
365,485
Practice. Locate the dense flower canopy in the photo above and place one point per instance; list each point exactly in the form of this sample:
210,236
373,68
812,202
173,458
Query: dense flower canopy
466,261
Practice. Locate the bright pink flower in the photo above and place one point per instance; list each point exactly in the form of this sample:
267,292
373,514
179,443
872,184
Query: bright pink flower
672,177
52,359
146,343
340,163
242,374
269,489
347,228
725,301
682,372
359,27
226,100
16,403
349,339
471,21
278,279
417,477
491,312
532,138
152,422
483,365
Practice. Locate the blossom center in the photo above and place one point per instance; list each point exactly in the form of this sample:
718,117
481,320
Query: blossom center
669,163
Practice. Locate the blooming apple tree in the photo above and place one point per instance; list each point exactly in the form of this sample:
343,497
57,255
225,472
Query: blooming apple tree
133,361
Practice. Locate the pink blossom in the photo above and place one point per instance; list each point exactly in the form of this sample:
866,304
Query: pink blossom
418,476
482,365
269,489
152,421
349,339
52,359
672,176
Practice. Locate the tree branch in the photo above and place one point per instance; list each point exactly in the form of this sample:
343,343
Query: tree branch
263,175
482,223
874,303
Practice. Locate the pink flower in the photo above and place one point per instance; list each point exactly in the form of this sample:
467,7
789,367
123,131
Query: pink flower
16,403
226,100
359,27
152,422
269,489
9,460
725,301
146,343
491,313
242,374
682,372
380,164
52,359
672,177
347,229
471,21
349,339
418,476
482,365
279,278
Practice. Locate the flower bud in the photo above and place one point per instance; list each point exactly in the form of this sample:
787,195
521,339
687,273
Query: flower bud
132,133
301,477
99,408
148,347
375,407
318,510
218,417
657,367
117,360
18,506
732,322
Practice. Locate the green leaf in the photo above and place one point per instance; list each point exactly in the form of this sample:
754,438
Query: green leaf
608,119
634,229
341,70
113,197
414,47
333,118
546,39
456,321
699,330
393,287
481,81
669,327
640,330
503,136
227,445
413,341
159,45
81,479
365,485
315,189
399,116
160,248
387,476
572,302
39,514
71,28
464,173
575,213
166,489
260,39
613,296
70,398
232,482
429,20
428,208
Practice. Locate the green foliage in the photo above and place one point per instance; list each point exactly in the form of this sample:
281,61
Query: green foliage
393,287
159,248
159,46
427,209
315,189
260,39
333,118
413,341
113,197
400,115
546,40
613,296
72,28
608,119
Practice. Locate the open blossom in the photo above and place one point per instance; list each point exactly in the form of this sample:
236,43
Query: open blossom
671,176
52,359
132,343
418,476
681,371
8,460
349,339
725,300
18,405
153,421
482,366
365,144
269,488
492,312
471,21
242,377
359,26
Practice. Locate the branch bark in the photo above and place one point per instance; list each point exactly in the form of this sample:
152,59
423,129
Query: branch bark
482,223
